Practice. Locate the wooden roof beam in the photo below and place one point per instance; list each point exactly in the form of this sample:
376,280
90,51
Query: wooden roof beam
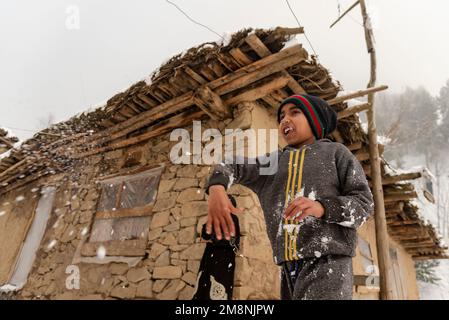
211,103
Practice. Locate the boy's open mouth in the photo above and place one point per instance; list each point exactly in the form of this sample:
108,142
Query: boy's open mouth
287,130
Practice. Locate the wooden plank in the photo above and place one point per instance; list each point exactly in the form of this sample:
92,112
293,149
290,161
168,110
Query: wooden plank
153,131
429,257
15,166
7,142
211,103
140,120
195,76
228,62
240,57
257,45
356,94
147,100
386,180
23,182
143,105
262,51
260,65
403,223
126,248
251,77
413,239
424,244
155,168
258,92
207,72
126,213
216,67
355,109
400,197
126,111
395,207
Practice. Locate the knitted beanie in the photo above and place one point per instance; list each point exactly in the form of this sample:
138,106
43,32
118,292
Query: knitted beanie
321,117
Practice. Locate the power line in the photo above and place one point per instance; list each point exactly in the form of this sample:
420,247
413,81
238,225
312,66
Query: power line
20,129
194,21
299,24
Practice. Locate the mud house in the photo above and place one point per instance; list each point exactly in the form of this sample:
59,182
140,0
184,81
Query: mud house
93,208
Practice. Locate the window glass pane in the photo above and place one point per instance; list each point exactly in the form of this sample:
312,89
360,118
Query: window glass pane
364,248
138,192
120,229
108,197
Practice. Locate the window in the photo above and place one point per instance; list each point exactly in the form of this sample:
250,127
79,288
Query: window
370,278
21,232
365,253
34,238
428,189
123,214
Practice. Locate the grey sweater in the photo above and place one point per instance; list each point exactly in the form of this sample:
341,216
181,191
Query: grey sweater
324,171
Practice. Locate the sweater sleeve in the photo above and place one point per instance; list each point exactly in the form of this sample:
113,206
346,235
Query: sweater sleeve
248,172
355,203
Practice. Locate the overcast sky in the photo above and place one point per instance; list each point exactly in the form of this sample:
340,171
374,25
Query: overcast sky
47,65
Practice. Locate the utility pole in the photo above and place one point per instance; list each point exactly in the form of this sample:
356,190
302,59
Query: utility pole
382,239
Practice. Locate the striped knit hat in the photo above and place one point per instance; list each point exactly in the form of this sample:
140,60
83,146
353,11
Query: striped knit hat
321,117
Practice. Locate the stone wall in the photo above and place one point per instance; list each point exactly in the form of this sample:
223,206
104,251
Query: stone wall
174,250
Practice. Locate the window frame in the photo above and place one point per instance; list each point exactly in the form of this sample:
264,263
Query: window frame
129,247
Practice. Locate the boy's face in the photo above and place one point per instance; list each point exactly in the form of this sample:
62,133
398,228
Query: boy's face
294,126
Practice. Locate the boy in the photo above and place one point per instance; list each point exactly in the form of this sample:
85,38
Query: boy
312,205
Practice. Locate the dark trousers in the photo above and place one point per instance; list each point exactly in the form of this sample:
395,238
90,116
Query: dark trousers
325,278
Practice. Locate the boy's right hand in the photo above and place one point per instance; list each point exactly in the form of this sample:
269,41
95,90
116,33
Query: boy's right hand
219,213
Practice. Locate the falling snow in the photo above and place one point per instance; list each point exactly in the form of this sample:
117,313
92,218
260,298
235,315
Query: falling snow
51,244
101,252
84,231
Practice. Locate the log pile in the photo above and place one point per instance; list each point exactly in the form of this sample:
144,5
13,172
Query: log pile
208,81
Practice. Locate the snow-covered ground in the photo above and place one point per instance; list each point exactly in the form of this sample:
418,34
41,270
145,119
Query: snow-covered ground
440,290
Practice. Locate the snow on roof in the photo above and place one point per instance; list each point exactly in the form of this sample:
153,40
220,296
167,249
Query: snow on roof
9,133
421,169
16,146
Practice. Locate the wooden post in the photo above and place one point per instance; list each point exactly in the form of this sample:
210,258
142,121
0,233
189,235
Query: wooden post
383,250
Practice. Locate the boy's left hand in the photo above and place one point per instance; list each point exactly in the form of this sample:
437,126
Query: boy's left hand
302,207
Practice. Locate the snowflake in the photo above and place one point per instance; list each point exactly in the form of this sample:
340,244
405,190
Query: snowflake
84,231
51,244
101,252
